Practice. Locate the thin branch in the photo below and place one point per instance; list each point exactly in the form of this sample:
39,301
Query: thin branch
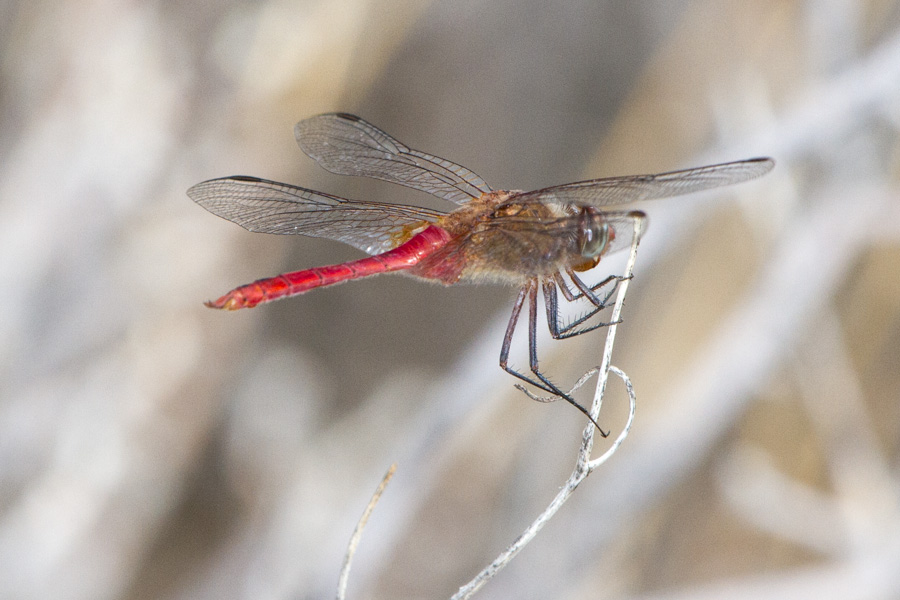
584,465
357,533
615,319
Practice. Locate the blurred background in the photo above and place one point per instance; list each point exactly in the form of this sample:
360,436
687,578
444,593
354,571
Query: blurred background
152,448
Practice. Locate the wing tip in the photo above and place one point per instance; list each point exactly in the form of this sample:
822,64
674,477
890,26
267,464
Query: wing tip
199,192
761,164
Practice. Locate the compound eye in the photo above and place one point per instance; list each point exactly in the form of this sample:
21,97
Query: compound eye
594,238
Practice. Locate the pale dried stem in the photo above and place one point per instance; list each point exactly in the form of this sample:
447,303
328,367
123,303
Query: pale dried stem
357,533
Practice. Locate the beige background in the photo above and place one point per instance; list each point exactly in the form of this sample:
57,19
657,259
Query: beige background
151,448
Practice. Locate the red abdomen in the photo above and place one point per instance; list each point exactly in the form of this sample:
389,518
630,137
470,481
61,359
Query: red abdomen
402,257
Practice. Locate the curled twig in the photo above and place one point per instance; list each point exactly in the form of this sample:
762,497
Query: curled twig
582,470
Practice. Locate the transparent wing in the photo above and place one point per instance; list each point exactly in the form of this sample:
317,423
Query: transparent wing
347,145
622,225
610,191
271,207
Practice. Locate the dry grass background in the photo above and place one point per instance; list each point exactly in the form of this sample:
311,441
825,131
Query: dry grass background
151,448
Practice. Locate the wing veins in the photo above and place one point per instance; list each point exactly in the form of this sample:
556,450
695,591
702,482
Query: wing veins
610,191
348,145
272,207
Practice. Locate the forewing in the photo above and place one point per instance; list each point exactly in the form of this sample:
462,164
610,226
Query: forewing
271,207
348,145
611,191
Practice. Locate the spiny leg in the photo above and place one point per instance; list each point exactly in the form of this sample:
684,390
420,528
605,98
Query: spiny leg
532,345
524,294
551,304
586,291
589,290
529,292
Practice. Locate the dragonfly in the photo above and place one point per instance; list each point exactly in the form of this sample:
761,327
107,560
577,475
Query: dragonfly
535,240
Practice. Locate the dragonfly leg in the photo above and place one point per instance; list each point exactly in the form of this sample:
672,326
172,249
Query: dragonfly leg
524,294
529,292
589,291
586,291
551,303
